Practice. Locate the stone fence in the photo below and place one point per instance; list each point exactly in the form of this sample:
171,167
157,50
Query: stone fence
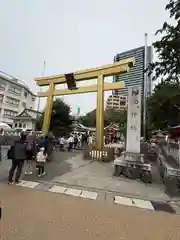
173,150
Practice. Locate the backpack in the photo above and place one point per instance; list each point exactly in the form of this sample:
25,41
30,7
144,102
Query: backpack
28,147
10,153
19,150
75,140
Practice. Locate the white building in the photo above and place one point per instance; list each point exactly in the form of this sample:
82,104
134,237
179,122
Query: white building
15,96
26,120
117,102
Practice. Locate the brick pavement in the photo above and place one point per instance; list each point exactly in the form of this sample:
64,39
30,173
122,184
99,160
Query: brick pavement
31,214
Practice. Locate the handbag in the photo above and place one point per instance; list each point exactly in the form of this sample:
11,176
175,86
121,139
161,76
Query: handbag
10,153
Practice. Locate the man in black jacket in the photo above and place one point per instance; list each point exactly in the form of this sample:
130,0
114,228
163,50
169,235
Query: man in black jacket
19,156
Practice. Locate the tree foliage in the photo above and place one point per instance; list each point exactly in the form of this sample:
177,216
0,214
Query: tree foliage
114,116
61,119
110,116
168,47
164,106
89,120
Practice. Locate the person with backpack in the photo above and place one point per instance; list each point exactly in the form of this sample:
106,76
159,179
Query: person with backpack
70,142
41,158
18,153
75,142
31,154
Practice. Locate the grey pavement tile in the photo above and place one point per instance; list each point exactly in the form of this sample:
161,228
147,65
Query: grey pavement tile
176,208
101,196
109,198
44,186
162,206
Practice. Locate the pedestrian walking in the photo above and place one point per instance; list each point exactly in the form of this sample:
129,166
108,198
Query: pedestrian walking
28,170
41,158
75,142
70,143
62,142
90,140
18,155
31,154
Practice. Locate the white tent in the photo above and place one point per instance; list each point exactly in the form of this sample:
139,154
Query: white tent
4,126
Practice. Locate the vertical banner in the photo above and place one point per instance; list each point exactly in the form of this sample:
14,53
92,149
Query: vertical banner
133,120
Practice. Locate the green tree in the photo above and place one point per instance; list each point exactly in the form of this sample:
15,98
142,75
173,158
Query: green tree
61,119
168,47
89,120
163,106
114,116
110,116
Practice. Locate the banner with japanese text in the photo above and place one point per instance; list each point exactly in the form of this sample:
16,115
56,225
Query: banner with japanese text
133,120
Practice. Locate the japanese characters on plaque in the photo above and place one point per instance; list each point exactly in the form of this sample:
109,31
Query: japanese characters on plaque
134,120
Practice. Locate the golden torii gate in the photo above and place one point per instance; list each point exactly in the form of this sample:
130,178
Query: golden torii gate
98,73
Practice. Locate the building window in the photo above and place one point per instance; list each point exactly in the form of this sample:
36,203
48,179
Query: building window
2,85
24,125
10,113
14,90
1,97
12,101
15,125
24,105
122,103
33,99
25,94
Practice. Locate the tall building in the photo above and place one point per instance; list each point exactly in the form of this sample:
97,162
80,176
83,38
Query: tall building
136,74
15,96
117,102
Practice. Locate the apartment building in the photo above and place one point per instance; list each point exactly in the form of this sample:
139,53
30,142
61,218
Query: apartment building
15,96
117,102
135,77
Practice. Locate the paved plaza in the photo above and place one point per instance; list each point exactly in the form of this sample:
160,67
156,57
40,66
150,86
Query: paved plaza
80,198
31,214
70,169
71,175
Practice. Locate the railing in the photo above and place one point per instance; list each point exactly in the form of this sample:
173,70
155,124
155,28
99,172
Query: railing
169,167
173,150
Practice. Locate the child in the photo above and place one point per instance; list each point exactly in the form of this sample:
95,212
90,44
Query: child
40,161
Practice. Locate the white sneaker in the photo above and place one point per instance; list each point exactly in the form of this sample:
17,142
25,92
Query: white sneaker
28,173
39,175
43,173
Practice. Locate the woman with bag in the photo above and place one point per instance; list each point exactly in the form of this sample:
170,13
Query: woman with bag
31,153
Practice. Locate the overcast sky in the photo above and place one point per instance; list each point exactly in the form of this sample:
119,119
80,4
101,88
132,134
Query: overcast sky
71,35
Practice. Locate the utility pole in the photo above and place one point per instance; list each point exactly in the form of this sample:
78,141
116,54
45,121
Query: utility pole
145,87
43,71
